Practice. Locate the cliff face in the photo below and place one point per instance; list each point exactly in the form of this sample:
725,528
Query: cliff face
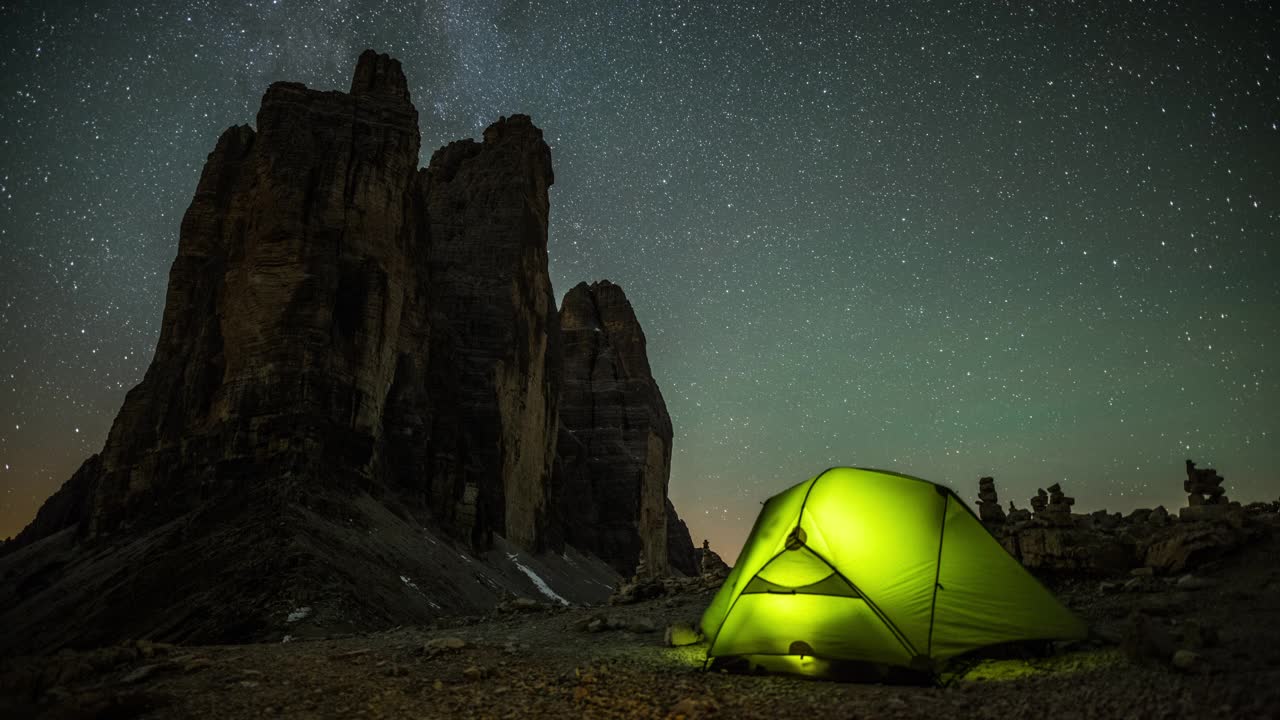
336,316
680,550
285,308
495,338
615,435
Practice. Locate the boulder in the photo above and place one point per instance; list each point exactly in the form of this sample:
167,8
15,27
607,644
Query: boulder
1187,661
1145,638
680,634
1198,635
1158,516
637,590
1060,549
1185,546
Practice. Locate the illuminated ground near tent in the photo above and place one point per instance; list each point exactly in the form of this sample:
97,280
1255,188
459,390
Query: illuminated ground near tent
1007,670
1060,665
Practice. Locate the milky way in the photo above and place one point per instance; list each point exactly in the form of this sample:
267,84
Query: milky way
950,240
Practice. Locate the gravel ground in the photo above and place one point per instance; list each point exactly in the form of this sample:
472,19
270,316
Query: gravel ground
543,663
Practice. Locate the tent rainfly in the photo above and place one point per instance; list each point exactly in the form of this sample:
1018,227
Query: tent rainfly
874,567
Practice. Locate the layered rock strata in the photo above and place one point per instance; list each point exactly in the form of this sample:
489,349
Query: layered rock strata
292,298
336,316
483,408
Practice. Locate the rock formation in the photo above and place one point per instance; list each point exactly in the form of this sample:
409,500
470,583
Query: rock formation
989,510
680,550
357,357
1017,514
1206,498
291,300
615,435
1053,540
1053,508
492,383
1204,486
710,563
337,316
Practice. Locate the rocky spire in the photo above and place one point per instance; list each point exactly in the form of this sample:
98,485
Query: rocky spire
493,377
346,340
615,435
379,75
282,321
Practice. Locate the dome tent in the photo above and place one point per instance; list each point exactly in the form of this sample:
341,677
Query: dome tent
874,567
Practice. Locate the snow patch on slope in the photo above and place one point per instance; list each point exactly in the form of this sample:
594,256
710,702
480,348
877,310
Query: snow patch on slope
541,584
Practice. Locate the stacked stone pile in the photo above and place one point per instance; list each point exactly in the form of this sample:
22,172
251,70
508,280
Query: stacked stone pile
1204,486
710,563
989,510
1053,508
1205,495
1050,538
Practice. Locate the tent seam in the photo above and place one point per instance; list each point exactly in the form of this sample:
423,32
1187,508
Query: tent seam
1030,574
734,604
884,618
897,633
805,501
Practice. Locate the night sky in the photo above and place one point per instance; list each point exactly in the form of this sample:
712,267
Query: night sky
952,240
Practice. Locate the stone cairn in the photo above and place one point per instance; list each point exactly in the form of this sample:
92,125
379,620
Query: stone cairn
989,510
1204,487
710,563
1053,508
1018,515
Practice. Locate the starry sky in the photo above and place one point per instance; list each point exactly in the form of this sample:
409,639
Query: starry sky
1039,241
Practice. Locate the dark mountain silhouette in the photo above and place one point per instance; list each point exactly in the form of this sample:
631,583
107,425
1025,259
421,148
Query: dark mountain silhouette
353,410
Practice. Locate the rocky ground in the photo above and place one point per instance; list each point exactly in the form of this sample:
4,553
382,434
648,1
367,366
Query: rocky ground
1205,644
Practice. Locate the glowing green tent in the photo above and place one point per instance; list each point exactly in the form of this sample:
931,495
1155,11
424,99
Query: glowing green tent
872,566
